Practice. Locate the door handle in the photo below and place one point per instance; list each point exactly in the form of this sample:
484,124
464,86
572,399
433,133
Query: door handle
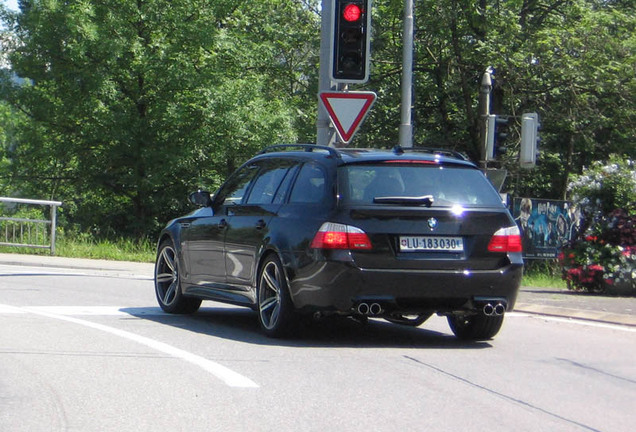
260,224
222,224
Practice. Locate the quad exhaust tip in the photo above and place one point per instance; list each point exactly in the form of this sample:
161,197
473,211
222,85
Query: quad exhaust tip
369,309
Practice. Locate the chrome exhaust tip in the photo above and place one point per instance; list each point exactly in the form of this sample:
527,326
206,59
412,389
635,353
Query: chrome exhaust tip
363,309
489,310
375,309
499,309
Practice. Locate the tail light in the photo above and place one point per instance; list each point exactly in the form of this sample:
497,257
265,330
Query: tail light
506,240
338,236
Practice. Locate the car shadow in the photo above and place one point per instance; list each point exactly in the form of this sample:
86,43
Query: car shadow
241,325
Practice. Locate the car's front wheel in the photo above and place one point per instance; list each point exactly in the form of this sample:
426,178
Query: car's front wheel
475,327
275,309
168,283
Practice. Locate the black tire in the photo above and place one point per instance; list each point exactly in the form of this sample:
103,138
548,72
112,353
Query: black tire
168,283
276,313
475,327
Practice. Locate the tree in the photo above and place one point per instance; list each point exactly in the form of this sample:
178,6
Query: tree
128,105
572,62
134,103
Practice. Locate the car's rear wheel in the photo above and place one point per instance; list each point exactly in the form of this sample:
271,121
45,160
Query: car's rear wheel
275,309
475,327
168,283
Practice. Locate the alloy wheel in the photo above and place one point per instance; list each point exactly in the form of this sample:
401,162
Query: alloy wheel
166,276
269,295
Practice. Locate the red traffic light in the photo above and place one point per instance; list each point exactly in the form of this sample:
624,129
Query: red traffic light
352,12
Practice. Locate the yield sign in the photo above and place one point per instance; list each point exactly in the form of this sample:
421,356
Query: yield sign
347,110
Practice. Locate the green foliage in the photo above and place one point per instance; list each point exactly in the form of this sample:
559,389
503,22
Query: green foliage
543,273
85,246
122,249
126,106
131,105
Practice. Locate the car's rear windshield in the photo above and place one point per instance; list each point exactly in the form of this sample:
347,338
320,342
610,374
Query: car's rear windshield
386,183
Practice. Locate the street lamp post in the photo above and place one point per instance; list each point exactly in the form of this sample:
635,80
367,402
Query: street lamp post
406,127
484,112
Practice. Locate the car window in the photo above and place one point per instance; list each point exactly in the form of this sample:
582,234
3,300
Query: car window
283,189
310,185
449,186
233,191
268,182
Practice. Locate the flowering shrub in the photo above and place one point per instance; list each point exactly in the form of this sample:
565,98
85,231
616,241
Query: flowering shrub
602,258
605,187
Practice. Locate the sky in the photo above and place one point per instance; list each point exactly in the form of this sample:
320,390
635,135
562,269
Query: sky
13,4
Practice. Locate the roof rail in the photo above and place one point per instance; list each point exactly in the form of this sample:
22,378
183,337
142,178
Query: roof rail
444,152
306,147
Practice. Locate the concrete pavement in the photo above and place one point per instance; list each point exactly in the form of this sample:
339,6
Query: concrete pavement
541,301
580,305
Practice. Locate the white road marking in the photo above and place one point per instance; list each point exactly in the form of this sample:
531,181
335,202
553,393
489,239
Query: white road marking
225,374
97,310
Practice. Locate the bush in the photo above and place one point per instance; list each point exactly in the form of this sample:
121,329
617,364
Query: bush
602,257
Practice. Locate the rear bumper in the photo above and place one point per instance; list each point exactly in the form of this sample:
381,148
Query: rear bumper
340,287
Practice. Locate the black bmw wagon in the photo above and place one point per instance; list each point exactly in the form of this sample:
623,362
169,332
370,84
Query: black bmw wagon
317,231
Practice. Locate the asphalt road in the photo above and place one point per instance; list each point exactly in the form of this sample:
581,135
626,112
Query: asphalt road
87,350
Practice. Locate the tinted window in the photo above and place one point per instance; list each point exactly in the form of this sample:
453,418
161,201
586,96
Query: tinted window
268,182
283,190
360,184
234,189
310,185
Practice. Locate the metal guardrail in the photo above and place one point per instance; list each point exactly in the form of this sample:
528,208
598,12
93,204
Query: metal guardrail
26,232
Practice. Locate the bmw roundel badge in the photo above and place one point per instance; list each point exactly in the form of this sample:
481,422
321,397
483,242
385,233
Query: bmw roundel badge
432,223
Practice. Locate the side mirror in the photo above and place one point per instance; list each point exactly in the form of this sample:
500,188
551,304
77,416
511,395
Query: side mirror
201,198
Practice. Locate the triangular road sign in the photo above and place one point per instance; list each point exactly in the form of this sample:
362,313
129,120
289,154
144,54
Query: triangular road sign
347,110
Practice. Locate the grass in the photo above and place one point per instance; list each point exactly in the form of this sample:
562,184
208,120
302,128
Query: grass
120,250
540,280
84,247
543,274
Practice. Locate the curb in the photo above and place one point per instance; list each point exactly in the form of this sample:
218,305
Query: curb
587,315
89,266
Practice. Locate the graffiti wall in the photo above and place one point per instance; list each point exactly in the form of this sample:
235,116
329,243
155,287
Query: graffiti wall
545,225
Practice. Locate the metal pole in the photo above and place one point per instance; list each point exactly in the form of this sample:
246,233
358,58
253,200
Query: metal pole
53,227
484,111
406,128
325,133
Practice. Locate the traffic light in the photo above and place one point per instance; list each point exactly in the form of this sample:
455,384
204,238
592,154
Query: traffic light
350,41
529,140
497,134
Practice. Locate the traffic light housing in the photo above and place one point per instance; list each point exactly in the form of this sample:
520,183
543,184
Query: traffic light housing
529,140
350,41
497,134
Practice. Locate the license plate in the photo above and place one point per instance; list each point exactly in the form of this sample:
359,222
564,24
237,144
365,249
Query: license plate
431,243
